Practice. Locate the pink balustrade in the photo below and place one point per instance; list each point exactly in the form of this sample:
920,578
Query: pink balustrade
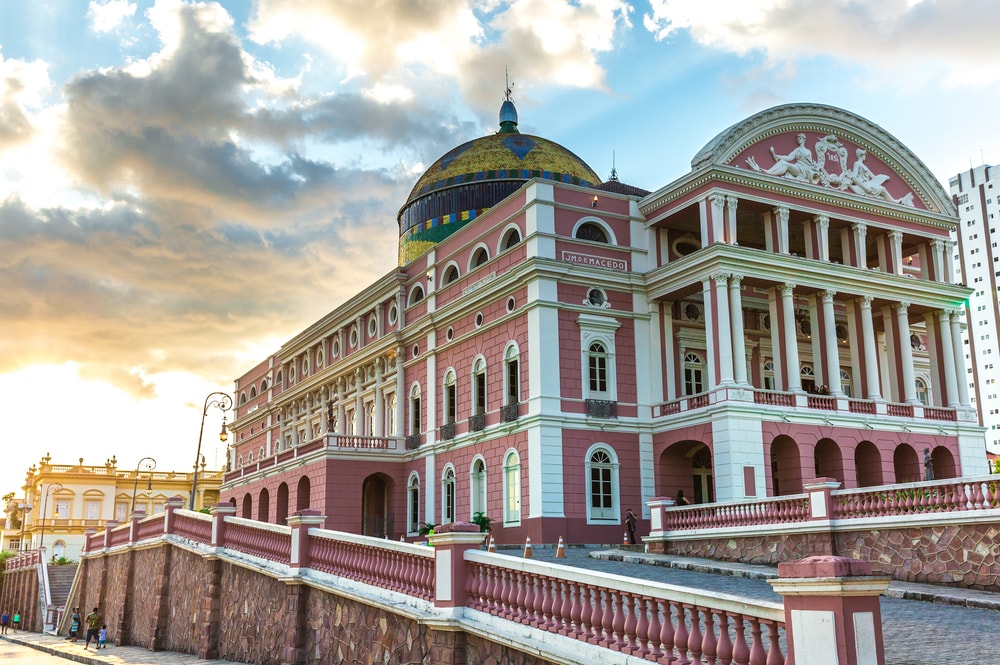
196,527
24,560
901,410
256,540
697,402
782,510
655,622
933,413
120,535
861,406
401,567
367,442
773,398
821,402
671,408
95,541
151,527
922,498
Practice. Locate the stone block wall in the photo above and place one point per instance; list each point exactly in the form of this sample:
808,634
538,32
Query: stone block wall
20,594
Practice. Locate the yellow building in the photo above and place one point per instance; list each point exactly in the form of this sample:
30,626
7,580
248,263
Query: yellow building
61,501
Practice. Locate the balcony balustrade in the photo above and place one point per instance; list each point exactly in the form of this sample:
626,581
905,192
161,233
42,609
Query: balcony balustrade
509,412
602,408
447,431
477,422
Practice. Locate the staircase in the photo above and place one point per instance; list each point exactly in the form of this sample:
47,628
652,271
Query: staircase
60,584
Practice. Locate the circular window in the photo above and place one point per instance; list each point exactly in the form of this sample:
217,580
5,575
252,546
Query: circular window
291,373
372,326
416,350
841,332
305,366
393,315
319,358
511,304
335,348
686,244
479,319
450,334
354,337
596,297
691,312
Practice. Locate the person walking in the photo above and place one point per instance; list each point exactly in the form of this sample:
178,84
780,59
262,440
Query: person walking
16,620
93,627
102,637
4,620
630,522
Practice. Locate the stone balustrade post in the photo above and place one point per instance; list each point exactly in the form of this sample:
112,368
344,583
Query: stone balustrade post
300,523
172,504
658,515
450,541
109,526
133,526
87,533
820,542
219,513
832,612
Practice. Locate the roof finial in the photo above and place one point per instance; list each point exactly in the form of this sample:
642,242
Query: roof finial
507,85
614,171
508,114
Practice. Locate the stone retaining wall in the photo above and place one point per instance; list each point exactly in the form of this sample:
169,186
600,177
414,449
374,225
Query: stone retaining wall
20,594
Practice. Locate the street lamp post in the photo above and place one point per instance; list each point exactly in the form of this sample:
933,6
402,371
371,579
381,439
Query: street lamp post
25,509
150,465
223,402
45,501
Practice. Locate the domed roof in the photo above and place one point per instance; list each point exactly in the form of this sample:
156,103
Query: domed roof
471,178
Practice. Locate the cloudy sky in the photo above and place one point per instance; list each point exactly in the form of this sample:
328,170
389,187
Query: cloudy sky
183,186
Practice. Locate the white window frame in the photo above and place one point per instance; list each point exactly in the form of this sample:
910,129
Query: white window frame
511,488
598,329
610,514
415,424
449,398
480,393
477,487
449,494
693,362
413,504
511,393
612,240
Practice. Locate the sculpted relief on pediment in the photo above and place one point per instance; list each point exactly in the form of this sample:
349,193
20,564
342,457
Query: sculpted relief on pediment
825,164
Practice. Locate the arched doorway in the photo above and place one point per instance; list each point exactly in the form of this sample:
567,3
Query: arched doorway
786,467
686,466
868,464
375,517
905,464
247,506
281,505
302,494
264,505
829,462
944,463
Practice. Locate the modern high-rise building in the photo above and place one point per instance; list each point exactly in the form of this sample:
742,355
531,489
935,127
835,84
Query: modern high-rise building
977,264
551,349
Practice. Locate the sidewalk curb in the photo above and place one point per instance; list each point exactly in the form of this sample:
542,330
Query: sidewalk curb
79,658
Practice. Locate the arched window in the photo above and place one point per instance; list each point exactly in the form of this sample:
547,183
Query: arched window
591,232
477,485
922,394
808,379
413,504
694,374
602,485
243,399
448,495
768,375
450,274
597,369
845,382
58,549
390,416
450,397
415,422
510,239
416,295
253,392
512,489
512,375
479,257
479,386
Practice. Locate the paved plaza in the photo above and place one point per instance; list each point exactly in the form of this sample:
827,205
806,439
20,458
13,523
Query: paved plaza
923,624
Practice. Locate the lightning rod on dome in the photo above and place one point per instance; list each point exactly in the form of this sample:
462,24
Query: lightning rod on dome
507,85
614,171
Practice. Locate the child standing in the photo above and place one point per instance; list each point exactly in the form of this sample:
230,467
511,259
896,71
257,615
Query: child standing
102,637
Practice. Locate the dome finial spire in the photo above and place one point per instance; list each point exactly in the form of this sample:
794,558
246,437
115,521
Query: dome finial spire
508,114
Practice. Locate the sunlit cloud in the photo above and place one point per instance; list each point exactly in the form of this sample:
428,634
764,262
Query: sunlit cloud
107,16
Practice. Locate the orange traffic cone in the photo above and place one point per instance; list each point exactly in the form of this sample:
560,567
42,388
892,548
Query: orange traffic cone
625,538
527,549
492,547
560,550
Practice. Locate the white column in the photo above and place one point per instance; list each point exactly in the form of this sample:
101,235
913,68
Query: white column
723,330
823,237
669,357
830,344
872,390
340,406
731,202
956,341
379,425
896,246
793,371
948,357
402,397
949,262
718,202
359,405
781,217
739,339
937,260
906,353
860,245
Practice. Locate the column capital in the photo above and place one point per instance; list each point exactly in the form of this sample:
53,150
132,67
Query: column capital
901,308
828,295
717,200
866,302
732,201
781,212
937,244
860,227
956,315
895,235
735,280
787,289
720,278
823,221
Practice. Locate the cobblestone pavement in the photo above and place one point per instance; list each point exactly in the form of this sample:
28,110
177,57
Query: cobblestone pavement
115,655
916,632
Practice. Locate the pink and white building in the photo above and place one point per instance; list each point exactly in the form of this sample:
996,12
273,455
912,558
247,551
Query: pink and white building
552,350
